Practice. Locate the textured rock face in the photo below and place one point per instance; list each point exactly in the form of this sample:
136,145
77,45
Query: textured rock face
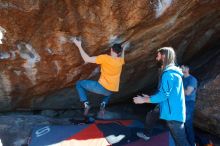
39,65
207,105
207,109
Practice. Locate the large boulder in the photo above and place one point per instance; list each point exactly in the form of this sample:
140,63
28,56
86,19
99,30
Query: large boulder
208,98
39,65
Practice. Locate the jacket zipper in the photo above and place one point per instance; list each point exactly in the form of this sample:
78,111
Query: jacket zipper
169,105
167,99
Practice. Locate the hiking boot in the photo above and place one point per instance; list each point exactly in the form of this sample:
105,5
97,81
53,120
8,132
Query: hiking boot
102,110
143,136
86,108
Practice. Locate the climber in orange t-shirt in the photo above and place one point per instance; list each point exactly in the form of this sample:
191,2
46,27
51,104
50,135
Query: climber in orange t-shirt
111,67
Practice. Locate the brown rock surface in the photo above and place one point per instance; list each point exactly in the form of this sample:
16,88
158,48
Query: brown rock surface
39,65
207,105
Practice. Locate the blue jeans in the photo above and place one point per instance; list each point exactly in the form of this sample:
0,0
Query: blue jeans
190,106
177,131
93,86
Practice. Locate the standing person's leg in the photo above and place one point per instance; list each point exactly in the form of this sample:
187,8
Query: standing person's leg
177,131
190,105
152,118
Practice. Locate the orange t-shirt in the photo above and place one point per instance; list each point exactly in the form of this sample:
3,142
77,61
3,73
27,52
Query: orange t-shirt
110,71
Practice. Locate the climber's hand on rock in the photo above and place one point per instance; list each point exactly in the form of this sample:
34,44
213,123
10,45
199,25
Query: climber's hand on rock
76,41
125,46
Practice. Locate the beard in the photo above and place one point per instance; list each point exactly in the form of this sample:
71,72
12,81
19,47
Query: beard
159,63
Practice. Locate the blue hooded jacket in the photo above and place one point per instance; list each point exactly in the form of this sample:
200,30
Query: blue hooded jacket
171,96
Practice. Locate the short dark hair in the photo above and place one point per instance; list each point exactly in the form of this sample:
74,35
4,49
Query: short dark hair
117,48
187,66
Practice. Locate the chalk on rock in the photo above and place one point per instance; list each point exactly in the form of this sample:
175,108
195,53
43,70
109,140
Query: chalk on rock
114,40
71,39
126,45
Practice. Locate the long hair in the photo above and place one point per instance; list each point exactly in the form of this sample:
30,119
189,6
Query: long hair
170,56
